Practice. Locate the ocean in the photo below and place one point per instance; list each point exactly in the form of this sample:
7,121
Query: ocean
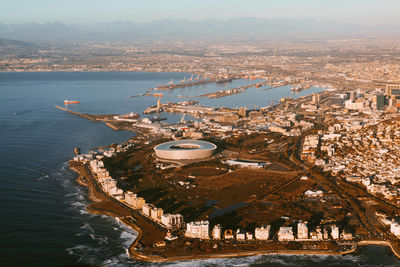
43,217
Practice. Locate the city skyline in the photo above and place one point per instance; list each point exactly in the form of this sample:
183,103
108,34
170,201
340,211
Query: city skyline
86,12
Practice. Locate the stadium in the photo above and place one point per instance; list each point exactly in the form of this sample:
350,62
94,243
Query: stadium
185,149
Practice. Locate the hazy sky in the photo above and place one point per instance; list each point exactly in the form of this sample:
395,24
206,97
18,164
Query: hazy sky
90,11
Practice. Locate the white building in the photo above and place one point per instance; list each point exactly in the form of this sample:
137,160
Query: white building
216,232
130,198
316,193
335,232
346,236
172,221
138,203
395,228
263,232
246,163
197,230
302,230
240,235
146,209
155,214
249,236
354,105
285,234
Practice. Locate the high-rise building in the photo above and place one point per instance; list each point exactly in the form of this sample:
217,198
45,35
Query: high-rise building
243,112
302,230
216,233
263,232
335,232
172,221
285,234
378,101
197,230
316,98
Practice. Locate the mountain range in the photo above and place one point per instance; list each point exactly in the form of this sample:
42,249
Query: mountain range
185,29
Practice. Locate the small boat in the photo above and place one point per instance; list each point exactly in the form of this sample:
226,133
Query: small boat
66,102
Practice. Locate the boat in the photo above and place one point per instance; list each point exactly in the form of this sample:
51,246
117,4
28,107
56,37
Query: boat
131,115
67,102
158,94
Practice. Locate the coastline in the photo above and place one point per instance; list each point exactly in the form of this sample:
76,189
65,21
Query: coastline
99,207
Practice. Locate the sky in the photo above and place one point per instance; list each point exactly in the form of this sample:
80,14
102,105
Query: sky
371,12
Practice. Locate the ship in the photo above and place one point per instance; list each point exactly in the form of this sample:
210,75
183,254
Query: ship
66,102
131,115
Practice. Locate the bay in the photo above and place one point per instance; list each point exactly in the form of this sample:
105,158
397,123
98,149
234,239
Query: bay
43,217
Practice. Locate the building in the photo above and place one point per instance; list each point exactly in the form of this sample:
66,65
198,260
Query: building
302,230
155,213
325,234
249,236
138,203
395,228
242,163
146,209
172,221
353,96
216,232
228,118
285,234
335,232
228,234
197,229
263,232
392,89
346,236
240,235
378,101
192,134
354,105
185,149
315,98
130,198
243,112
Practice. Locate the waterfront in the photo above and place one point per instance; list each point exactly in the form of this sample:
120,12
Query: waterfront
46,220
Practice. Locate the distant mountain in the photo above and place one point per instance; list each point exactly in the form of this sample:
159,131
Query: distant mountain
8,42
185,29
8,47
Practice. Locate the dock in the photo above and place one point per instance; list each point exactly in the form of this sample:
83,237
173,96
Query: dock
106,117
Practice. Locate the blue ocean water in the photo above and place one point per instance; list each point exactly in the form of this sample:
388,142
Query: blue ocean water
43,217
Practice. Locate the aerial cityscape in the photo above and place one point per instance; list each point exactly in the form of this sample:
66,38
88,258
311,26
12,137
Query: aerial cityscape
233,139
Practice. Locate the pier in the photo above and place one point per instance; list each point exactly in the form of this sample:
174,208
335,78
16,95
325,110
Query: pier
106,117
